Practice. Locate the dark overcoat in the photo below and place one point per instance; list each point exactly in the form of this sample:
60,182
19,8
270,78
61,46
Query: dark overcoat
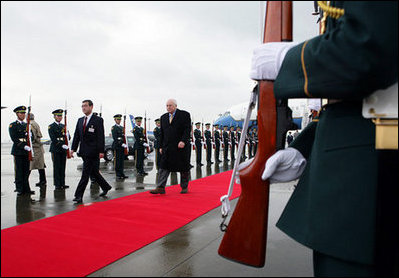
174,159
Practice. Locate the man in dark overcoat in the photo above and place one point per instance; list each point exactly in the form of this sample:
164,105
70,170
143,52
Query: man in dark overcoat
174,147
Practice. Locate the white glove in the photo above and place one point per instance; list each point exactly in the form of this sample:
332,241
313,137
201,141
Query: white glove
145,145
285,165
268,58
229,143
124,145
27,148
65,147
192,144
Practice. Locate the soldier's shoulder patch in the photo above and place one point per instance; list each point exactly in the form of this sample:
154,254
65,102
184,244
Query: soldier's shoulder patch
49,126
11,125
112,128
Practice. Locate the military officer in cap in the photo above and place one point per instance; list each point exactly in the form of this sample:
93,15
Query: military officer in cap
345,206
232,143
157,135
20,151
216,135
255,139
139,146
243,157
118,146
208,141
226,142
58,149
198,143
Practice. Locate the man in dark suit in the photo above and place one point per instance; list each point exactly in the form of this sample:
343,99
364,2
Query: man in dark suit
89,132
174,147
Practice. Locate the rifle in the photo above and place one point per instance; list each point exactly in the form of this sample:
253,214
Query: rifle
126,149
192,136
145,131
203,137
246,235
230,139
101,111
213,137
28,133
66,133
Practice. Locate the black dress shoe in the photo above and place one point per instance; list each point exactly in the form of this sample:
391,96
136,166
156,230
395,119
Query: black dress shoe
125,177
105,192
65,186
77,200
158,190
184,191
41,183
30,192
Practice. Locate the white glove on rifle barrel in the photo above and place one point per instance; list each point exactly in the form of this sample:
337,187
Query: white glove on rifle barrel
145,145
268,58
285,165
65,147
27,148
124,145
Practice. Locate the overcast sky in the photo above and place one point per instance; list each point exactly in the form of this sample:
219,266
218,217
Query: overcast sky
132,55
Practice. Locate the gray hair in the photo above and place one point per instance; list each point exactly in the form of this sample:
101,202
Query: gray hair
173,101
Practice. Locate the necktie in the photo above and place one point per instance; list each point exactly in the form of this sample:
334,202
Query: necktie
171,118
84,124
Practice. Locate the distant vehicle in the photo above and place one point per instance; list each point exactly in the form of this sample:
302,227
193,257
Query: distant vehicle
109,152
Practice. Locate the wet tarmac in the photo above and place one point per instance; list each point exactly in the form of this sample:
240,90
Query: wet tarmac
189,251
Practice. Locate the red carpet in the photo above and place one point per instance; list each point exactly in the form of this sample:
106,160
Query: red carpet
82,241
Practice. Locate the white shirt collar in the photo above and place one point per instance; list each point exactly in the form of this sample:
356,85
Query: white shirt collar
88,118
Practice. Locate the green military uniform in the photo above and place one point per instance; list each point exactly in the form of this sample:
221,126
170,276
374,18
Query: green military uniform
233,143
226,141
198,144
255,140
208,141
157,135
18,136
217,144
56,132
119,150
333,209
139,137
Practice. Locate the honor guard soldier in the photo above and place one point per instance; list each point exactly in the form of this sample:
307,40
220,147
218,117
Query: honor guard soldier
58,149
139,146
217,143
157,135
255,139
118,146
233,143
226,143
198,143
345,206
208,141
20,151
243,157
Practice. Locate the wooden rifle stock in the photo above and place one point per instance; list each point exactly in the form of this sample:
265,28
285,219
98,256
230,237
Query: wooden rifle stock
145,133
192,136
246,234
66,134
203,135
28,138
125,149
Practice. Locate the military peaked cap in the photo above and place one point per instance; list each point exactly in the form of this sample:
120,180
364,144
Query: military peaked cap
118,116
197,123
20,109
207,124
157,120
58,112
138,118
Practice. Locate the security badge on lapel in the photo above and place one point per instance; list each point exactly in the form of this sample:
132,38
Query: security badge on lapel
382,108
91,129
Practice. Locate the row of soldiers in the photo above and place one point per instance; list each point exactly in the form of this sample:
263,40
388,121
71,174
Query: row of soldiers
216,139
59,148
226,139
